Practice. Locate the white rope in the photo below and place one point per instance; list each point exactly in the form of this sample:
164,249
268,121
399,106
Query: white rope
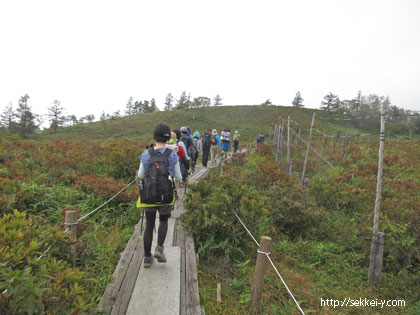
287,288
258,244
85,216
93,211
267,254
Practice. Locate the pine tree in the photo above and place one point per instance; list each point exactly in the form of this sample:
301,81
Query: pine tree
72,119
90,117
129,107
217,100
267,102
103,116
6,119
182,102
331,103
55,115
25,118
201,101
356,104
169,102
138,108
146,107
153,107
297,101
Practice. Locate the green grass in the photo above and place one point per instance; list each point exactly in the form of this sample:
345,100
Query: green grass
248,120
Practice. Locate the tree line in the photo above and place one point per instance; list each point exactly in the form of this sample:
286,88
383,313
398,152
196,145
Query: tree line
363,111
24,122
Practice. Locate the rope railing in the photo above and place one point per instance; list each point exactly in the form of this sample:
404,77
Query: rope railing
272,264
343,137
316,152
90,213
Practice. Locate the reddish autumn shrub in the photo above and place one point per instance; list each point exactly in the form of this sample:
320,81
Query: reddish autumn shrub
105,187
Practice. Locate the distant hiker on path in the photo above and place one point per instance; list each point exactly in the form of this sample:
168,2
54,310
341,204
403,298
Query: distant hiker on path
206,146
172,144
215,146
184,168
260,138
158,166
198,147
225,138
236,136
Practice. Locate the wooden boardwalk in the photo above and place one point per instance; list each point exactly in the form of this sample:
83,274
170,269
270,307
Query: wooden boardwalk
165,288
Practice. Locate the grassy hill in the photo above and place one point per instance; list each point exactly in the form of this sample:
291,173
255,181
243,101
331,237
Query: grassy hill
249,120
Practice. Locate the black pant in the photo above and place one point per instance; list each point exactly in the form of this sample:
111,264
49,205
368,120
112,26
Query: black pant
148,232
195,158
206,151
235,145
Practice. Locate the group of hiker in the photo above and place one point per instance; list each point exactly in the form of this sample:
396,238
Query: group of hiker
171,158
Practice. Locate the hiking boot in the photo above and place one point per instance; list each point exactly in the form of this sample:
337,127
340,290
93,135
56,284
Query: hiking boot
148,261
159,255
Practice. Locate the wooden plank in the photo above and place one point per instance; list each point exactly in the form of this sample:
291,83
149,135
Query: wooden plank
192,292
157,289
110,295
180,241
124,295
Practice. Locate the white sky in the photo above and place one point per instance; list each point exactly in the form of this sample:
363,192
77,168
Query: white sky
93,55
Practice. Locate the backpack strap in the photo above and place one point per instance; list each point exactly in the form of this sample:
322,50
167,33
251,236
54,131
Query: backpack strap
152,151
167,153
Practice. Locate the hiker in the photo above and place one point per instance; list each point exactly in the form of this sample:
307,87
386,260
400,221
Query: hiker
258,138
188,141
199,148
171,144
262,138
215,146
207,136
184,168
158,166
225,138
236,136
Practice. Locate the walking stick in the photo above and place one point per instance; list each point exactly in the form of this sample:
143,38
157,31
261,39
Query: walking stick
141,224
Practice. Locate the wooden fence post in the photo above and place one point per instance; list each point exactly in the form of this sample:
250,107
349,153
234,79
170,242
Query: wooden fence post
307,149
260,267
70,222
376,257
281,140
219,292
288,146
376,251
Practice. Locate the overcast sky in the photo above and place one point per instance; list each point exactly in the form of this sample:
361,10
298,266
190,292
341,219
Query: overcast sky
93,55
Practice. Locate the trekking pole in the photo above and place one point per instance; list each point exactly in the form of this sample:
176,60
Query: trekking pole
141,224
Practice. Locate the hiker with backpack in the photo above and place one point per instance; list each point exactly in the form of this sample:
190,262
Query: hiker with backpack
199,147
225,138
173,145
207,136
215,146
236,136
158,166
188,141
184,168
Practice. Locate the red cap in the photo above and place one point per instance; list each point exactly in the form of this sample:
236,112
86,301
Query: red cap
208,130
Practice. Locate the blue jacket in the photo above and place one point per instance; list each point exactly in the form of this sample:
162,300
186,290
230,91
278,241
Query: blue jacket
217,139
